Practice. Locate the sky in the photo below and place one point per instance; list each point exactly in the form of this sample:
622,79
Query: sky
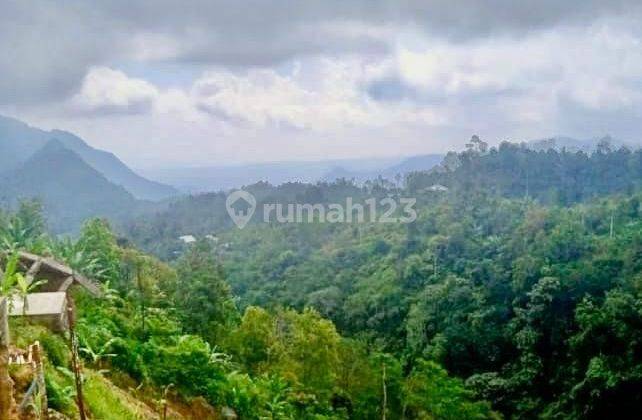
199,83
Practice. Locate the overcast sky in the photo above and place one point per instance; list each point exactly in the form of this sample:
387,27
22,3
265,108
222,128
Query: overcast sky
171,83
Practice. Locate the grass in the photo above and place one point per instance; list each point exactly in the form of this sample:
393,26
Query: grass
103,399
107,401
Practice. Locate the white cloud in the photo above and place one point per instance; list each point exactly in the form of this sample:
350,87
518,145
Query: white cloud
596,68
428,94
327,96
105,90
319,95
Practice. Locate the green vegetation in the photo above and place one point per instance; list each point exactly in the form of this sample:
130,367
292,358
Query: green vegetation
513,294
523,279
106,401
180,330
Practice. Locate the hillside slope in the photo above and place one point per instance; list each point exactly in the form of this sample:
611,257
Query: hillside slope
70,190
19,142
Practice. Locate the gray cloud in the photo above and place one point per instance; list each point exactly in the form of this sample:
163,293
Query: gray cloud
257,21
206,81
49,46
581,121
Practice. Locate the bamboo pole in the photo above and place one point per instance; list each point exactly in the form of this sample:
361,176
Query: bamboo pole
75,361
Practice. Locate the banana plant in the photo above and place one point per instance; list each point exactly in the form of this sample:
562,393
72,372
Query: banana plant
9,278
77,257
24,230
23,288
13,282
97,356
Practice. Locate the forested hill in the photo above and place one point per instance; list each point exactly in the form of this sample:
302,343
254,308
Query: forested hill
549,176
538,308
522,279
495,302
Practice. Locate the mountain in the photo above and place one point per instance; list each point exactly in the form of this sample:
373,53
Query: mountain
71,191
216,178
413,164
19,142
115,170
406,166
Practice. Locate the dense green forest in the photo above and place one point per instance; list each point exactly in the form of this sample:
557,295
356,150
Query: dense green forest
523,279
516,293
177,332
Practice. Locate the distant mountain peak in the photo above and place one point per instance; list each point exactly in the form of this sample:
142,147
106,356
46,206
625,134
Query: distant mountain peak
69,188
19,142
53,145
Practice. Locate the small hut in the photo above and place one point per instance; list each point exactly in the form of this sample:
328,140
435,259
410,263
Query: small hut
49,309
59,276
47,305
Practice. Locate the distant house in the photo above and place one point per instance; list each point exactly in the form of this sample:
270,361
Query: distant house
211,238
437,188
187,239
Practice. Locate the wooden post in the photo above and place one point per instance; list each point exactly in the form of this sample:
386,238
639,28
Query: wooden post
33,271
40,377
66,284
7,404
165,391
75,362
4,322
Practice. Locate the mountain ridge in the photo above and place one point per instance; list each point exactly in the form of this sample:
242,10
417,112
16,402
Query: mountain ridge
20,141
77,192
407,165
